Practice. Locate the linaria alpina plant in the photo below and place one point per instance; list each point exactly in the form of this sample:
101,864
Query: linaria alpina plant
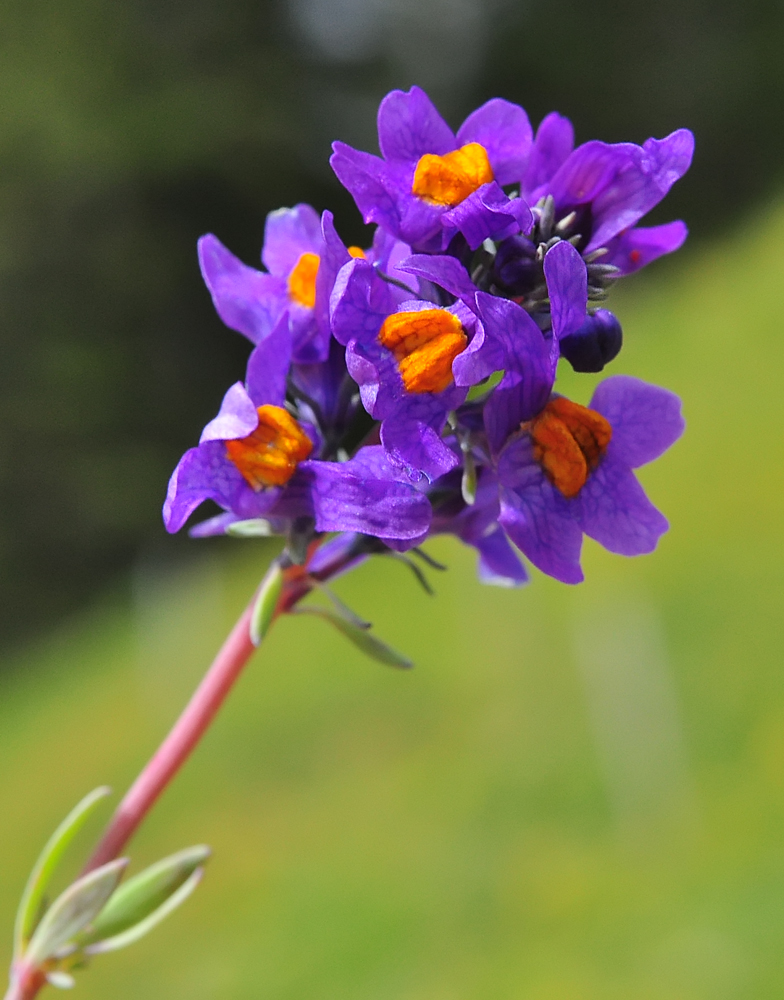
394,393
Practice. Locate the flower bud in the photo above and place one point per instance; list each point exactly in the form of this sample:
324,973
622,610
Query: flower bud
594,344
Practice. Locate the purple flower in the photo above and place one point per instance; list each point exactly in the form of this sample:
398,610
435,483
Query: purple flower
257,460
569,472
298,282
432,184
405,356
594,196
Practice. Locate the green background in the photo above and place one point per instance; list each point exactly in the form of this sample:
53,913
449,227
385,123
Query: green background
578,794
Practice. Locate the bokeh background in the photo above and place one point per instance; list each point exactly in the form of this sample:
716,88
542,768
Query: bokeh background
578,793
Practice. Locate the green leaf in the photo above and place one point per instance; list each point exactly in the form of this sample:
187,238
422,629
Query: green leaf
33,895
468,484
145,893
73,910
145,926
255,527
342,609
62,980
266,602
361,638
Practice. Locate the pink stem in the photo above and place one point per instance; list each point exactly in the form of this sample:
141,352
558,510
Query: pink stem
178,745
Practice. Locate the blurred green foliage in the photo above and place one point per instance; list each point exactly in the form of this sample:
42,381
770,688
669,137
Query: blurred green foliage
578,794
127,129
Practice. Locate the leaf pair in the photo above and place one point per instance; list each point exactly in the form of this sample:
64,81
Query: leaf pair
95,913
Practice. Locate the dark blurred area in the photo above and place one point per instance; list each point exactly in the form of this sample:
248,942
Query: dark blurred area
129,129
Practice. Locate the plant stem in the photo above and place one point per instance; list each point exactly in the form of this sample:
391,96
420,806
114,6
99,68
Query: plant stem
25,984
178,745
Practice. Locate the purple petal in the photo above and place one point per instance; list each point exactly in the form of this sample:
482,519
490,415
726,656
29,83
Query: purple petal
420,222
268,368
213,526
639,184
247,300
336,552
498,564
446,272
364,176
204,473
412,436
616,512
567,285
372,462
553,144
360,302
506,134
346,501
487,213
588,170
645,418
639,246
530,363
288,233
540,522
236,419
410,126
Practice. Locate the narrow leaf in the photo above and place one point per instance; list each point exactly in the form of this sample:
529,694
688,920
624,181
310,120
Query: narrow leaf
60,979
368,643
266,602
40,876
73,910
340,607
255,527
143,894
420,576
468,484
145,926
428,559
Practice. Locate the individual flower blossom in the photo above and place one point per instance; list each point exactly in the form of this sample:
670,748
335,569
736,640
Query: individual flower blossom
569,472
257,459
592,196
432,184
552,470
402,355
297,282
597,193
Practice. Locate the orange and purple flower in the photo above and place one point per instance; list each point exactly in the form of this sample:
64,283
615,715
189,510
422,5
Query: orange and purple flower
258,459
432,183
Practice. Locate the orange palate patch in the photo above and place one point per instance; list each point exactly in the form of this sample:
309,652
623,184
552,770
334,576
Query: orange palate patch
356,252
269,455
424,344
569,440
451,178
302,280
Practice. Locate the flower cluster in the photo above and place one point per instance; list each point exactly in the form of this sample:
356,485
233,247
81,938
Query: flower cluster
407,389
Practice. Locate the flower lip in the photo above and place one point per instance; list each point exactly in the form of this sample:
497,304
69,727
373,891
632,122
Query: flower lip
270,454
424,343
449,179
302,280
569,441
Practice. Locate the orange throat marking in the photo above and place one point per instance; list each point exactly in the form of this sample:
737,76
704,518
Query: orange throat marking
269,455
569,442
302,280
451,178
424,344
